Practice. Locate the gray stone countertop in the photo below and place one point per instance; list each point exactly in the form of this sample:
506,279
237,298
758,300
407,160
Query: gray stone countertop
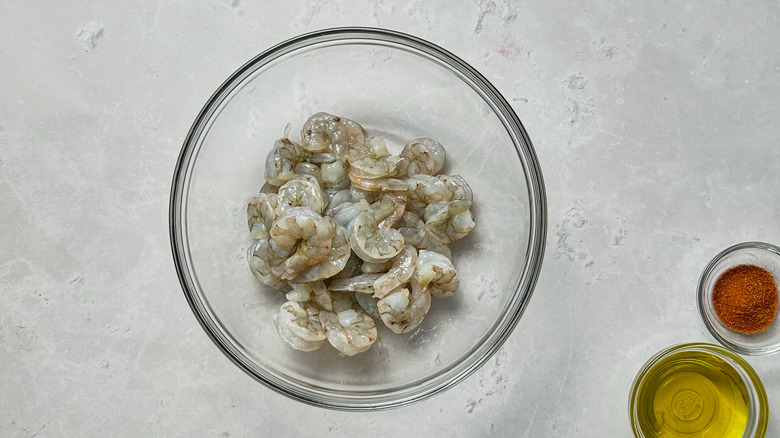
655,123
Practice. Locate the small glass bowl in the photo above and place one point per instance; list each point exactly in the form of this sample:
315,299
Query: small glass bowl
763,255
690,390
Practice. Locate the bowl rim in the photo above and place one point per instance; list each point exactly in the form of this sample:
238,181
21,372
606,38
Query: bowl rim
523,289
703,297
758,396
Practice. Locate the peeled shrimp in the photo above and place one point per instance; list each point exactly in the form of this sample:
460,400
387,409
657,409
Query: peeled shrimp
325,132
370,159
349,331
413,229
281,162
402,311
334,262
435,273
258,264
299,238
422,156
426,189
261,213
298,324
301,191
400,272
371,235
449,221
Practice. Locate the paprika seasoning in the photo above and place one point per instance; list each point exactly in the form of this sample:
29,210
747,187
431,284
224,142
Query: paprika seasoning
745,298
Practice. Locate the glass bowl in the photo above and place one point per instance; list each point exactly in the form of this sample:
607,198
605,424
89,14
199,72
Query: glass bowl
399,87
698,390
763,255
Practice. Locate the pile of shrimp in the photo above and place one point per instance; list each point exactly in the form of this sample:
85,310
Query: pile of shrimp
352,234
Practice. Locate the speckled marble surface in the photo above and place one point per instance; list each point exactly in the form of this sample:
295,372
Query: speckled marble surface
656,128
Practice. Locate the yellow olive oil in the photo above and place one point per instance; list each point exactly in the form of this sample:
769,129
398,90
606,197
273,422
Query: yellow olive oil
693,394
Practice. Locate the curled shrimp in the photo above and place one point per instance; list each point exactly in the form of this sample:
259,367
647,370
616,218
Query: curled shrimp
334,262
435,273
299,238
413,229
258,264
261,213
422,155
350,331
449,221
325,132
301,191
371,235
400,272
370,159
281,161
299,325
402,311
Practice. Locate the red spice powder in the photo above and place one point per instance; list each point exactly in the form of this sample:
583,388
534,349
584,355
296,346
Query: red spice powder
745,298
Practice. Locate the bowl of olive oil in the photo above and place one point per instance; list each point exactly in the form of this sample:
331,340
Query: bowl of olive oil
693,390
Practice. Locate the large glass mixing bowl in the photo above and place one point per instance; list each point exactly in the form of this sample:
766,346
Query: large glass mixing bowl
399,87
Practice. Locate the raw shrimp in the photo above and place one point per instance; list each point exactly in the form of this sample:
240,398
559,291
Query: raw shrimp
302,191
402,311
379,184
349,331
435,273
449,221
422,156
370,159
258,264
281,161
335,175
334,262
261,213
299,238
457,187
371,235
413,229
325,132
299,325
400,272
426,189
314,292
363,283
